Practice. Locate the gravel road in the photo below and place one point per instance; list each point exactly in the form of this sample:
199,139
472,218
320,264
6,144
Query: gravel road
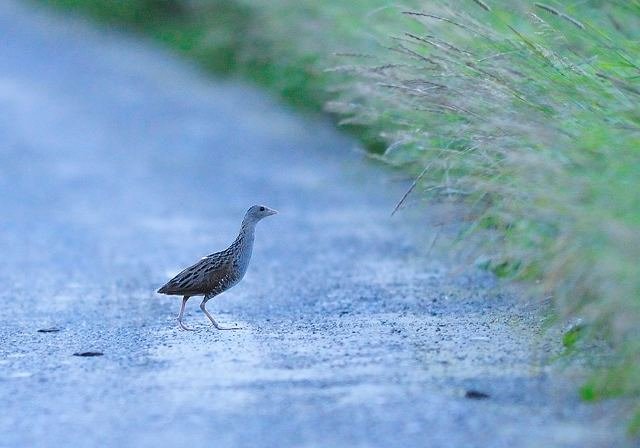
121,164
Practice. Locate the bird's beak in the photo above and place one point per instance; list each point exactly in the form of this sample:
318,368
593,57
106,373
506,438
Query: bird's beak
273,212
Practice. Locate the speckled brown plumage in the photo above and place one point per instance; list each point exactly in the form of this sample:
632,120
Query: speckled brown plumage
211,275
219,271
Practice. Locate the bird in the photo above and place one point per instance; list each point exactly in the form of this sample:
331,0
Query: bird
220,271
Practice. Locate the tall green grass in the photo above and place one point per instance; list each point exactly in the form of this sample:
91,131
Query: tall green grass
527,112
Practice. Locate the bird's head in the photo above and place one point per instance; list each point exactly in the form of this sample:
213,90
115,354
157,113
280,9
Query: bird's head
257,212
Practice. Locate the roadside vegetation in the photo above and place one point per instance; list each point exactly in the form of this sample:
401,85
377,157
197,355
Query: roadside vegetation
527,112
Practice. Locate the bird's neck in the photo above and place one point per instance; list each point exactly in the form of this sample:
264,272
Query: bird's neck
247,232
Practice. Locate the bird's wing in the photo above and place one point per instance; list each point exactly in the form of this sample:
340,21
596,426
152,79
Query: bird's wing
198,278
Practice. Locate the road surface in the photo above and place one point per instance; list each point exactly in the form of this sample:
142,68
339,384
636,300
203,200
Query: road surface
121,164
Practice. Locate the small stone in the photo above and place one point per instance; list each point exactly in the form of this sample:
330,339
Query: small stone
476,395
480,339
87,354
49,330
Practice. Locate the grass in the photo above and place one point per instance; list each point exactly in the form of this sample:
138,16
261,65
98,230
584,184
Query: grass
528,112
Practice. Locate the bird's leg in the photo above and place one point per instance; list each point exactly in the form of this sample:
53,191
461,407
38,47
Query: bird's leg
184,303
215,324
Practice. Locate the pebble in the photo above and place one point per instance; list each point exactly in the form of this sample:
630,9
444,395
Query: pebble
480,338
476,395
88,354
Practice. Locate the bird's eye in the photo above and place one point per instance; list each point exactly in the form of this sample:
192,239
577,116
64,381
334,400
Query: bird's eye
261,209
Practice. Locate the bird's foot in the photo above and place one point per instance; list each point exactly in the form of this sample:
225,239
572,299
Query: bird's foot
220,327
184,327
